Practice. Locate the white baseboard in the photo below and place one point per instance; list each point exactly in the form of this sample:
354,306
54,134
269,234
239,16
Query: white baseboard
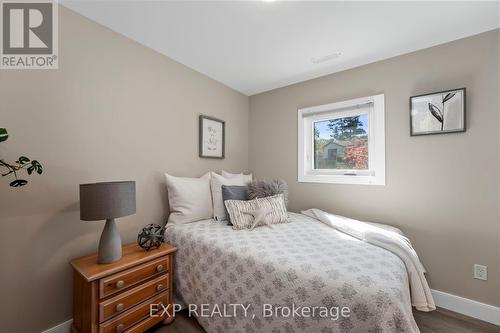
465,306
61,328
468,307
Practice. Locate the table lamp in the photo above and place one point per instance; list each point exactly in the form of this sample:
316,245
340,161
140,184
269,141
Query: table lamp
107,201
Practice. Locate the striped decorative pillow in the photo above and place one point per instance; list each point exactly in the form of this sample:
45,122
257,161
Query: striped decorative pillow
241,211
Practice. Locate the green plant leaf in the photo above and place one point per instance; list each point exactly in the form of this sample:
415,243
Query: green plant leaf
37,166
22,160
3,134
30,169
18,183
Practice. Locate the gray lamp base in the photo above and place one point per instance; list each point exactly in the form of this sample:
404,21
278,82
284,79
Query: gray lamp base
110,244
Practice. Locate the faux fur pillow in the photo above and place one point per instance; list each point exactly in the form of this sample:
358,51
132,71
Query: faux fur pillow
264,188
264,211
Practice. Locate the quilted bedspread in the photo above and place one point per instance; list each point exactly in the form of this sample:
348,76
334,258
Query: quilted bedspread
252,281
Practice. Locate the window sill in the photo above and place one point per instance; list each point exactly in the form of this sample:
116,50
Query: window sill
342,179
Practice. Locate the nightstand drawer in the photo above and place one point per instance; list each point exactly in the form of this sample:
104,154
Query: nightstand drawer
123,280
128,299
134,316
144,325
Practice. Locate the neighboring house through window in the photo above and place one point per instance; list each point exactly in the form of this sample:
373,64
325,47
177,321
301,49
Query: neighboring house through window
343,142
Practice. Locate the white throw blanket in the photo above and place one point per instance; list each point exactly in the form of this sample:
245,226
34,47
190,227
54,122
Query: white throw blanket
421,297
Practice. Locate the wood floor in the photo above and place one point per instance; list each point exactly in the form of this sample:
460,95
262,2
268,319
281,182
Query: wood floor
439,321
443,320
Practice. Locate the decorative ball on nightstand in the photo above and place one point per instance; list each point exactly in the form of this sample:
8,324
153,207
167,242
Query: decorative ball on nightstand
151,236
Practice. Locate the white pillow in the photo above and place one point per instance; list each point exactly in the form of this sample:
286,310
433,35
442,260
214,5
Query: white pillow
216,183
189,199
226,174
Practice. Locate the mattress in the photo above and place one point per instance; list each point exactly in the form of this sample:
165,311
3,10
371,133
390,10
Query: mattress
284,278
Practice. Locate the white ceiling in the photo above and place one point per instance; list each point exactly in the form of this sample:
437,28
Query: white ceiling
258,46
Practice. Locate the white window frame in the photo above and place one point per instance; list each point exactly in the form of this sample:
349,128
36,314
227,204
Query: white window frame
375,175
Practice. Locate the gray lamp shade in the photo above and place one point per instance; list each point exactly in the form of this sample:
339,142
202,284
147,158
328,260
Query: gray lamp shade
101,201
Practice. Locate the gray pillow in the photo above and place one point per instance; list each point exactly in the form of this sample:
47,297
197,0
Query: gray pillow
233,192
265,188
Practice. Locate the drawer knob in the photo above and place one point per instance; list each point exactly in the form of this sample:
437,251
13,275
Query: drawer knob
120,328
159,268
120,307
120,284
159,287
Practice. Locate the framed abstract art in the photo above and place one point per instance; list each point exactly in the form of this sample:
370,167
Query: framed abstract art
211,137
438,113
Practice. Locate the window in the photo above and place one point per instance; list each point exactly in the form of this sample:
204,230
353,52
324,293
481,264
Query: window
343,142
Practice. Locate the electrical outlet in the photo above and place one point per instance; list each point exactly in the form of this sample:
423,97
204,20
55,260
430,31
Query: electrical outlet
480,272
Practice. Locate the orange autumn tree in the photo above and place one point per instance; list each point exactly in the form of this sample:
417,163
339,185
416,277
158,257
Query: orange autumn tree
356,155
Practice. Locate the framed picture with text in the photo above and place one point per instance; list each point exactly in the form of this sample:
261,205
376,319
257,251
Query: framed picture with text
211,137
438,113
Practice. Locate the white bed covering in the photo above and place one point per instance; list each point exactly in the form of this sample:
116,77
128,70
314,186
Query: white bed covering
397,243
303,263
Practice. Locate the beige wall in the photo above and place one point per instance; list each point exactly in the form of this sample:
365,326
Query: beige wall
115,110
442,190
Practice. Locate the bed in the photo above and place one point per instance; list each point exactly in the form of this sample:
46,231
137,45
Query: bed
301,264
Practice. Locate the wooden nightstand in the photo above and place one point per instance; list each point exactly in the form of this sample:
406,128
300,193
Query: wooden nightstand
116,297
